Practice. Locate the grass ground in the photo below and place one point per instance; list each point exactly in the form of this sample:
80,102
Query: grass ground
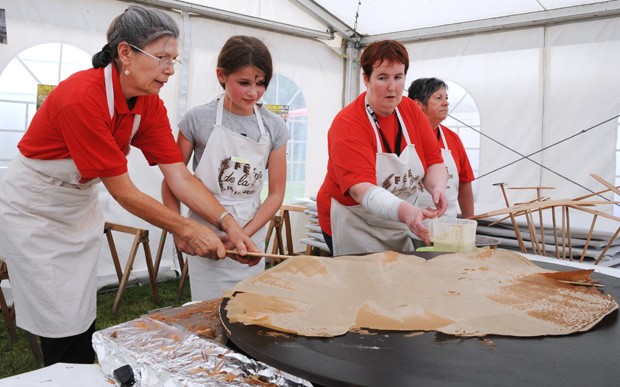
17,358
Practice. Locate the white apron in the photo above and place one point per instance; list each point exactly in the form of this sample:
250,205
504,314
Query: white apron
452,188
356,230
232,167
50,234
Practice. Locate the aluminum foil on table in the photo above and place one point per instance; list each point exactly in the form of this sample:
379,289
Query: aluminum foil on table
170,356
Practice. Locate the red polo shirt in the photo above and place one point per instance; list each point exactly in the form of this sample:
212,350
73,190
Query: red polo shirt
74,122
352,149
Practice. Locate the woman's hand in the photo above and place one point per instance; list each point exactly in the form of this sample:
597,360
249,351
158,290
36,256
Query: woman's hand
183,246
189,247
441,202
250,261
435,182
237,239
413,217
198,239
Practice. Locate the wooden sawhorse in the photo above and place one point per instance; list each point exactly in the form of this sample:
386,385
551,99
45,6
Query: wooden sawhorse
8,313
140,237
9,316
281,222
182,263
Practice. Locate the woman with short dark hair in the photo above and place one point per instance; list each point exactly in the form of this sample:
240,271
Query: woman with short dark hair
431,95
381,152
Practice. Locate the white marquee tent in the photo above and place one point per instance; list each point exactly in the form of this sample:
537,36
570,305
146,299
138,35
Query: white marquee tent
538,79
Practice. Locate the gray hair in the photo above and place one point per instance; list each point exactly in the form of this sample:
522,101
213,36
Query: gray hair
422,88
139,26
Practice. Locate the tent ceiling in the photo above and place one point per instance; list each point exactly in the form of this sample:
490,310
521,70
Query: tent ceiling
380,16
364,21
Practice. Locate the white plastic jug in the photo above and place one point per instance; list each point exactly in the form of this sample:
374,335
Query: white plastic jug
453,235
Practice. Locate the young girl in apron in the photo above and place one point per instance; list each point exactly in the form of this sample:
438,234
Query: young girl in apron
235,141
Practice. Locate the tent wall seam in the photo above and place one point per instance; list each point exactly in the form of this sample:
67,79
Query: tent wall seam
184,76
543,98
237,18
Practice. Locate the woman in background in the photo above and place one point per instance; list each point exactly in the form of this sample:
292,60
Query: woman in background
431,95
235,140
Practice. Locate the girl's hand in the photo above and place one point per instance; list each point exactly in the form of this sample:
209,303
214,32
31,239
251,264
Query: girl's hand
237,239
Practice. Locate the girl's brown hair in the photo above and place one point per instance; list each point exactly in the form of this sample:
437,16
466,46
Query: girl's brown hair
241,51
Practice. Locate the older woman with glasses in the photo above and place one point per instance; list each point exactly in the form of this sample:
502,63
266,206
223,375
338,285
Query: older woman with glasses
51,221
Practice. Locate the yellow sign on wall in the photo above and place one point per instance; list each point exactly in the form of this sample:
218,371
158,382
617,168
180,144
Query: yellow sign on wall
42,92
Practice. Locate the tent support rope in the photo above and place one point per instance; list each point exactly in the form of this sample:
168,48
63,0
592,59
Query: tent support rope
538,151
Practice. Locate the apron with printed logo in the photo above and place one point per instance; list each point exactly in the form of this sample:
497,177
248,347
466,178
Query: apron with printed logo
452,188
50,234
232,167
356,230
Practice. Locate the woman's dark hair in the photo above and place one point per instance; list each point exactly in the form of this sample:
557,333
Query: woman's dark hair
422,88
377,52
139,26
241,51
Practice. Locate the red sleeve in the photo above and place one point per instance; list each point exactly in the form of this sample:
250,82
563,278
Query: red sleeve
154,138
86,130
352,153
466,174
74,122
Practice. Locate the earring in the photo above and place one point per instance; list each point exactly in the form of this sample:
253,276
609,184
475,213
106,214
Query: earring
126,72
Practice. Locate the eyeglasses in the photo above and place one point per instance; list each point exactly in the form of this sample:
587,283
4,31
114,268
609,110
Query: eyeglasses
164,61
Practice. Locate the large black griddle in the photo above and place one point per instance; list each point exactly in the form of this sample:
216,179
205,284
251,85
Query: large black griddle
394,358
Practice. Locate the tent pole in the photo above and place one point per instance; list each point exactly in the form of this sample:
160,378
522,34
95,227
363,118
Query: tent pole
351,73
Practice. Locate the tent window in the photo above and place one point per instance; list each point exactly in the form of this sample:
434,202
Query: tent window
45,64
284,97
464,119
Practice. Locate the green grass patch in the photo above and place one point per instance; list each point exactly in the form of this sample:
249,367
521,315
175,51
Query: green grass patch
17,358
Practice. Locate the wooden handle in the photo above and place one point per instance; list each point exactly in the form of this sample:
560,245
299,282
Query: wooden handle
252,254
582,283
